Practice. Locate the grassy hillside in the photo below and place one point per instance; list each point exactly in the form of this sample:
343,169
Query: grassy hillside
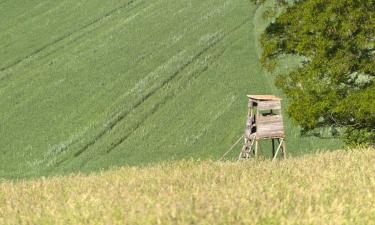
86,85
327,188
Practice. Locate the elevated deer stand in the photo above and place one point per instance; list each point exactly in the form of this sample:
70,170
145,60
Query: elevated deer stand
264,122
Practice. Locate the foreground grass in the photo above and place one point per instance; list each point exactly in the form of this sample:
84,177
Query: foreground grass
327,188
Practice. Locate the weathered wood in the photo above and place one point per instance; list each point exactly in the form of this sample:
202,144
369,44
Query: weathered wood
284,150
269,105
270,135
270,129
278,148
273,118
264,122
264,97
265,131
270,126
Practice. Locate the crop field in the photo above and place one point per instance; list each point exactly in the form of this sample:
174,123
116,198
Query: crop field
326,188
87,85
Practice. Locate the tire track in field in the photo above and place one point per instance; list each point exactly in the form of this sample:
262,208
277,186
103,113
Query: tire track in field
64,37
123,115
193,75
156,107
112,124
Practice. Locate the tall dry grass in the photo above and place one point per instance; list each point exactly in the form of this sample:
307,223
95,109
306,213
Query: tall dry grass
326,188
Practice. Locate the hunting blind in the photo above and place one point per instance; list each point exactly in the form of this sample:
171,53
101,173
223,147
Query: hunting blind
264,122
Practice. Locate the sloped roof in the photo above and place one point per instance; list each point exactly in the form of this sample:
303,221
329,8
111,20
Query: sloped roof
264,97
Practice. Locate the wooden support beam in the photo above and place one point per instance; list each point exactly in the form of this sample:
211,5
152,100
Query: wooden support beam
284,150
278,148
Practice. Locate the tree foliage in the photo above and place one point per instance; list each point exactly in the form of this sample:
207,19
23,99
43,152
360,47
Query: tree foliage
334,86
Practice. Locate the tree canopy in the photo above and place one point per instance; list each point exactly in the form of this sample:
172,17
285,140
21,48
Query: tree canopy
334,86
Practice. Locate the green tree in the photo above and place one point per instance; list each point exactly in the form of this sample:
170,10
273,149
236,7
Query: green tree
334,86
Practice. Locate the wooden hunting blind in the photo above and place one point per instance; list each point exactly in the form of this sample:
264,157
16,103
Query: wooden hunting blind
264,121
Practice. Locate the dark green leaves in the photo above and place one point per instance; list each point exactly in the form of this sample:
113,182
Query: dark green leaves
335,86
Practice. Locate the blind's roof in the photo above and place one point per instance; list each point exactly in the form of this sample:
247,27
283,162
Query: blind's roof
264,97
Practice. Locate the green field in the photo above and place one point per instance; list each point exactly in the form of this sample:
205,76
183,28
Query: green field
329,188
87,85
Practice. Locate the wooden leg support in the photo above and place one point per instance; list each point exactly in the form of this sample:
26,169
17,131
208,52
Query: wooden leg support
284,150
251,146
281,145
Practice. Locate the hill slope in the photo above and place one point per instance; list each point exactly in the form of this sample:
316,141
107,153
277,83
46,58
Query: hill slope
91,84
